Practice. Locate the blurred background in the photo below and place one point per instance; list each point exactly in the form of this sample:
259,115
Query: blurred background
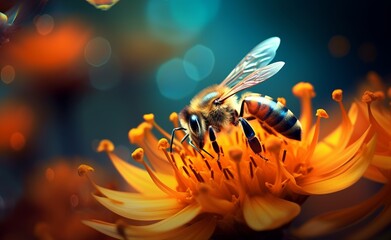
74,72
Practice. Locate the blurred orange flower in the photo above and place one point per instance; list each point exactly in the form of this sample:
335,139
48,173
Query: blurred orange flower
38,54
16,125
188,196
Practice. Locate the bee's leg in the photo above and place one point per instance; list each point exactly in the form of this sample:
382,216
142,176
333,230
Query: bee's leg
173,134
199,150
215,145
252,139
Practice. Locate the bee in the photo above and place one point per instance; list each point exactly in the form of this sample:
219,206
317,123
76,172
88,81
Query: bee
217,108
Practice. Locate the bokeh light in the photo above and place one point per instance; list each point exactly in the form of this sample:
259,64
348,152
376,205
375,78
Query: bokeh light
178,21
97,51
339,46
173,81
199,62
44,24
7,74
106,76
17,141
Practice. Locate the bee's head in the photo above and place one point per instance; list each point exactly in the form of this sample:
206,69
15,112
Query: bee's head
195,125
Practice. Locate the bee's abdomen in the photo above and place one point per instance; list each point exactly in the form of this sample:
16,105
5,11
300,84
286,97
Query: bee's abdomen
275,115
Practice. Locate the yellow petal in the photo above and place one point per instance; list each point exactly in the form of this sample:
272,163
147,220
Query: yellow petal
373,173
179,219
381,161
341,177
139,179
108,229
336,220
142,209
268,212
201,229
336,159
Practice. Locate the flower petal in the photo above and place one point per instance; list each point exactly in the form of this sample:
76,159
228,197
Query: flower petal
376,225
142,209
139,179
336,220
201,229
341,177
268,212
382,161
373,173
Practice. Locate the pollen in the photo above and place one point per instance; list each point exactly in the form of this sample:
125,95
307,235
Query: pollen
138,155
322,113
163,144
105,146
303,89
337,95
149,118
84,169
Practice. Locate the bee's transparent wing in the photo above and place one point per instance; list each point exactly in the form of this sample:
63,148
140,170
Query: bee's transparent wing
253,78
12,14
258,57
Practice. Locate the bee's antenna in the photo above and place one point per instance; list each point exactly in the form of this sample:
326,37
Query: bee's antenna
173,134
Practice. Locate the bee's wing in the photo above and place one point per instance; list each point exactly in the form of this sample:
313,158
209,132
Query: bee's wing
258,57
12,14
252,79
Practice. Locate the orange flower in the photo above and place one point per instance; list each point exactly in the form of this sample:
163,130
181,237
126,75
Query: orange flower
372,112
184,195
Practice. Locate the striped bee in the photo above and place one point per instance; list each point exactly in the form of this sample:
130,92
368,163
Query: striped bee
216,107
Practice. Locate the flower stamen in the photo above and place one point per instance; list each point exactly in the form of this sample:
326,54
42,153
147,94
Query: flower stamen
305,91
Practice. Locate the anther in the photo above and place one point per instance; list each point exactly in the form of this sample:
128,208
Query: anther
84,169
182,155
229,173
283,155
303,89
253,161
322,113
207,164
105,146
225,174
368,97
212,174
138,155
219,164
174,117
337,95
185,170
251,169
221,150
149,118
200,178
163,144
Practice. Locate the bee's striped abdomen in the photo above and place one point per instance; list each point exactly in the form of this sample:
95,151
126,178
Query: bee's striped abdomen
275,115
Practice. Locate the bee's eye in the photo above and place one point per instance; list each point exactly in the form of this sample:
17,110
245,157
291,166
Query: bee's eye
194,124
